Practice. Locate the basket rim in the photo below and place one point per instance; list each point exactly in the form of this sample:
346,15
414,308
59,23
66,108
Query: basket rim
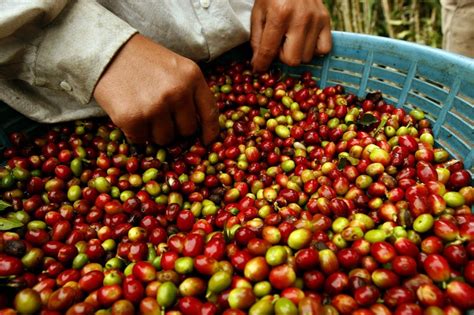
339,37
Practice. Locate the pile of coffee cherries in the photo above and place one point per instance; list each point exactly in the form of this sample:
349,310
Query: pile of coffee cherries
311,201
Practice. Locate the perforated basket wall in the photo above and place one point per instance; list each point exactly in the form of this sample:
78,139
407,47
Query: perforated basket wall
440,83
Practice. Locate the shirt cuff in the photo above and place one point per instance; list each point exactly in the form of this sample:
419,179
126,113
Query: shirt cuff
77,47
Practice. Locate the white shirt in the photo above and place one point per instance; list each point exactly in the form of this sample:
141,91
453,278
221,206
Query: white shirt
52,52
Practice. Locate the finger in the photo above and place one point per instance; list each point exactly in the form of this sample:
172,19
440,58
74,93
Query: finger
136,140
136,131
324,42
163,129
292,50
207,111
268,48
185,118
310,44
256,28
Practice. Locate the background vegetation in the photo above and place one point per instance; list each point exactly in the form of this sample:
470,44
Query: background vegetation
412,20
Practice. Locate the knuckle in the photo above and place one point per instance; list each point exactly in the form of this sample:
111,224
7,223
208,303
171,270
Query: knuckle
276,21
122,119
283,10
168,98
191,70
158,111
128,125
323,16
131,120
305,18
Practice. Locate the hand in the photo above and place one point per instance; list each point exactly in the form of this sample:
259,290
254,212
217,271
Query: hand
151,93
294,30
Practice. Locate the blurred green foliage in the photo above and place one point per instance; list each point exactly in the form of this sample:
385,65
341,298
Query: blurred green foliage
412,20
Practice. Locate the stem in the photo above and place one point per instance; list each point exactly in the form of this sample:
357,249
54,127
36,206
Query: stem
381,125
211,296
450,163
276,206
346,16
367,12
374,19
388,18
357,17
353,20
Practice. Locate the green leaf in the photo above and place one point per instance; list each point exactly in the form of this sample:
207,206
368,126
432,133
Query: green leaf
9,224
403,34
396,22
345,160
4,205
342,163
227,234
367,120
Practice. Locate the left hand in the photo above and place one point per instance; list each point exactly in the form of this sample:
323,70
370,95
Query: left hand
293,30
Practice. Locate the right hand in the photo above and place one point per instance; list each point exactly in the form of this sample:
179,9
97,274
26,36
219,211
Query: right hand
152,93
293,30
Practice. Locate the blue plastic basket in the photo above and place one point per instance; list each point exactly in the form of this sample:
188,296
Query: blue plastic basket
409,75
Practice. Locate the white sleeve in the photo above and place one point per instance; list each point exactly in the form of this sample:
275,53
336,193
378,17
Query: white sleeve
225,23
59,44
